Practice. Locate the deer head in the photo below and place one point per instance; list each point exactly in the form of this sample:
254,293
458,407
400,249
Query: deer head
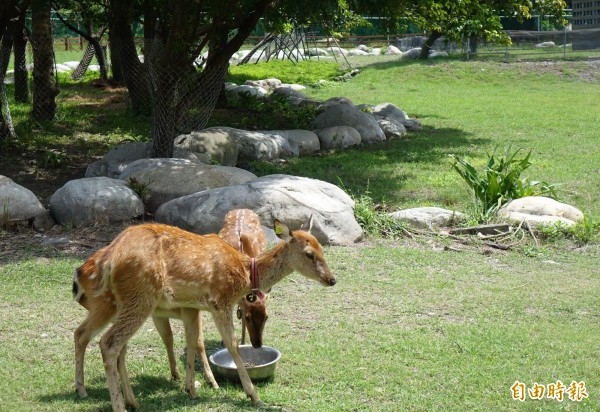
306,252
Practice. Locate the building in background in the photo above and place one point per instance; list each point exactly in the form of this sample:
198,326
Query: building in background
586,25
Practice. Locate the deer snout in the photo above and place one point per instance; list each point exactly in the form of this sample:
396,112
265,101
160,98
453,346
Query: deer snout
331,281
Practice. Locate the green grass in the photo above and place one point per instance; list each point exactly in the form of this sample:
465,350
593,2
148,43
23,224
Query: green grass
405,328
467,109
409,326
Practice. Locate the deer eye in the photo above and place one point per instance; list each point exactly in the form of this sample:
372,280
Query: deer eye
310,255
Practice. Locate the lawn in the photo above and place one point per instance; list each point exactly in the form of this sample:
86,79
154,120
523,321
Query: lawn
412,324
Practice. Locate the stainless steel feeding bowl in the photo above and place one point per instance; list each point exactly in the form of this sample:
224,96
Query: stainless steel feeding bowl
260,362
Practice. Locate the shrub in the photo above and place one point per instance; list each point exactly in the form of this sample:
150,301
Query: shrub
499,182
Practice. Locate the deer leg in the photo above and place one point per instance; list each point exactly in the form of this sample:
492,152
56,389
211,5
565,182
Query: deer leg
92,325
191,321
210,378
124,376
166,334
128,321
224,321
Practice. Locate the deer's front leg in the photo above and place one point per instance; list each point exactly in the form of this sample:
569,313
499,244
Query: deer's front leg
191,323
166,334
224,321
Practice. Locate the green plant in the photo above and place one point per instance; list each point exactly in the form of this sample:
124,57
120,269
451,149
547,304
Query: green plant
54,158
585,231
140,188
373,218
500,181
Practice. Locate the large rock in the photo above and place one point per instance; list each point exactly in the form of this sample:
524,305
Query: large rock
303,142
391,49
141,164
338,137
170,181
539,209
17,202
115,160
215,142
253,145
391,128
288,198
347,115
390,111
95,199
428,217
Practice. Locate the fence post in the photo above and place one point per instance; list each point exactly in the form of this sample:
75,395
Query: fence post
66,43
565,43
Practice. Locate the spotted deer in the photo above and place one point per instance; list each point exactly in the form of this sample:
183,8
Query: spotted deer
241,229
155,269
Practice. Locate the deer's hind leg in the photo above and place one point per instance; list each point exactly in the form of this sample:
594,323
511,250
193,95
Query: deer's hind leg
113,345
93,324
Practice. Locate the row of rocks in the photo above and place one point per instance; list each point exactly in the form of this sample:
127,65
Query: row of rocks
289,198
534,210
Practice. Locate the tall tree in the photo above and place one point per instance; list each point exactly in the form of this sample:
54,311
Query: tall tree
20,36
8,13
177,32
45,88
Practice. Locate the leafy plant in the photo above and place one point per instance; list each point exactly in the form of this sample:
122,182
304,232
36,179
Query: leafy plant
140,188
500,181
373,219
274,112
54,158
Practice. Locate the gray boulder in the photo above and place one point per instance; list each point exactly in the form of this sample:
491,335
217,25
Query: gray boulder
391,128
391,49
347,115
337,137
412,54
412,124
17,202
95,199
288,198
115,160
390,111
303,142
540,210
428,217
267,84
215,142
141,164
245,90
253,145
170,181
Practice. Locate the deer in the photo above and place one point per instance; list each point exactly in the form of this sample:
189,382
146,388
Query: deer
156,269
242,230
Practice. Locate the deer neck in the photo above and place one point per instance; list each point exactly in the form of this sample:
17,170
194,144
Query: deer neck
273,266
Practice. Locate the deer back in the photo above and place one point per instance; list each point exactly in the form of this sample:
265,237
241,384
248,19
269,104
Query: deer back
242,230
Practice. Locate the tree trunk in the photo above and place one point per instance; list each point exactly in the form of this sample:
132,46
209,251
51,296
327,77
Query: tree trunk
44,86
134,71
164,125
114,48
101,57
20,54
5,49
428,45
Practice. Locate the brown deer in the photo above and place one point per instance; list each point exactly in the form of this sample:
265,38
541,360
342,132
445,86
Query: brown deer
102,309
242,230
155,269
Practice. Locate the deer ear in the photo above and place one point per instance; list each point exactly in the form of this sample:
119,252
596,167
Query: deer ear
281,230
307,226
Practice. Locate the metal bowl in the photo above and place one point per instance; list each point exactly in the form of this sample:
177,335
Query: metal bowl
260,362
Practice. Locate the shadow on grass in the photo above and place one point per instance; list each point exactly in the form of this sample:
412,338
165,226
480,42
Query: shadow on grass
381,169
158,393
